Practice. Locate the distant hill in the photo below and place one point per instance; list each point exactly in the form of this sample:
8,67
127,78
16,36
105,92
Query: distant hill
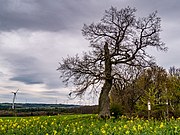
33,109
35,105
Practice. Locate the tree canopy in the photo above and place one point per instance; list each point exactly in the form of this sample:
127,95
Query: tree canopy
119,41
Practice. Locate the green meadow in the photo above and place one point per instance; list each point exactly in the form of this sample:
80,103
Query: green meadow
86,125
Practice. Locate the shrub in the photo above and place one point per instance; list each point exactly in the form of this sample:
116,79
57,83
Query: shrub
115,110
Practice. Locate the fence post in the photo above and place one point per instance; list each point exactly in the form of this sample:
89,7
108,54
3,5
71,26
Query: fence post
149,109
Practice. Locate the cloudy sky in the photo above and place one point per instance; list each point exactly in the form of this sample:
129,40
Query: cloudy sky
36,34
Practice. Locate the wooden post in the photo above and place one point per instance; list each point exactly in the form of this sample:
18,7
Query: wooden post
167,106
149,109
167,109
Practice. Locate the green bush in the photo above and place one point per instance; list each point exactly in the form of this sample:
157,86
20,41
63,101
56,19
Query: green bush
115,110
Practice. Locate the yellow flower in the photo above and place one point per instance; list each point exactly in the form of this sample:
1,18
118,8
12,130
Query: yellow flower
134,128
1,120
161,125
55,132
125,126
131,121
114,128
18,126
127,132
140,127
14,125
103,131
175,129
2,128
52,123
123,116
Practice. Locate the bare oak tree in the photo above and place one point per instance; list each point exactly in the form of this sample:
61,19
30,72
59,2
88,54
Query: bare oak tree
118,39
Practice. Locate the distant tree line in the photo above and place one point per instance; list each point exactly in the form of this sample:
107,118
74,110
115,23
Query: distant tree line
46,111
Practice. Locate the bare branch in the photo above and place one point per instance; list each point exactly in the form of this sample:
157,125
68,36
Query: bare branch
119,43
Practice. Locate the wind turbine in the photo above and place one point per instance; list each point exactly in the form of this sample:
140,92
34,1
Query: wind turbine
14,97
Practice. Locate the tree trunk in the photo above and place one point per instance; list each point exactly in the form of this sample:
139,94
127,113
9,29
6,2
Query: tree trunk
104,100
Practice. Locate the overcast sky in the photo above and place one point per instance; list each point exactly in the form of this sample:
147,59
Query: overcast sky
36,34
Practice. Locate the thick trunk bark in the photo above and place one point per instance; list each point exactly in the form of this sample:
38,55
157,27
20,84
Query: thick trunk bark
104,101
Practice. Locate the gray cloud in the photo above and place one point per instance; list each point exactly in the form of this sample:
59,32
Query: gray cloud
33,15
30,70
28,79
36,34
33,56
59,15
26,69
43,15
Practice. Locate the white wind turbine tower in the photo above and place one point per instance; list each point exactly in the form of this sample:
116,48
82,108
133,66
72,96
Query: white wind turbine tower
14,97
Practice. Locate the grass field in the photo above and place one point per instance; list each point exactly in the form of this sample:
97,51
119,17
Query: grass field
86,125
